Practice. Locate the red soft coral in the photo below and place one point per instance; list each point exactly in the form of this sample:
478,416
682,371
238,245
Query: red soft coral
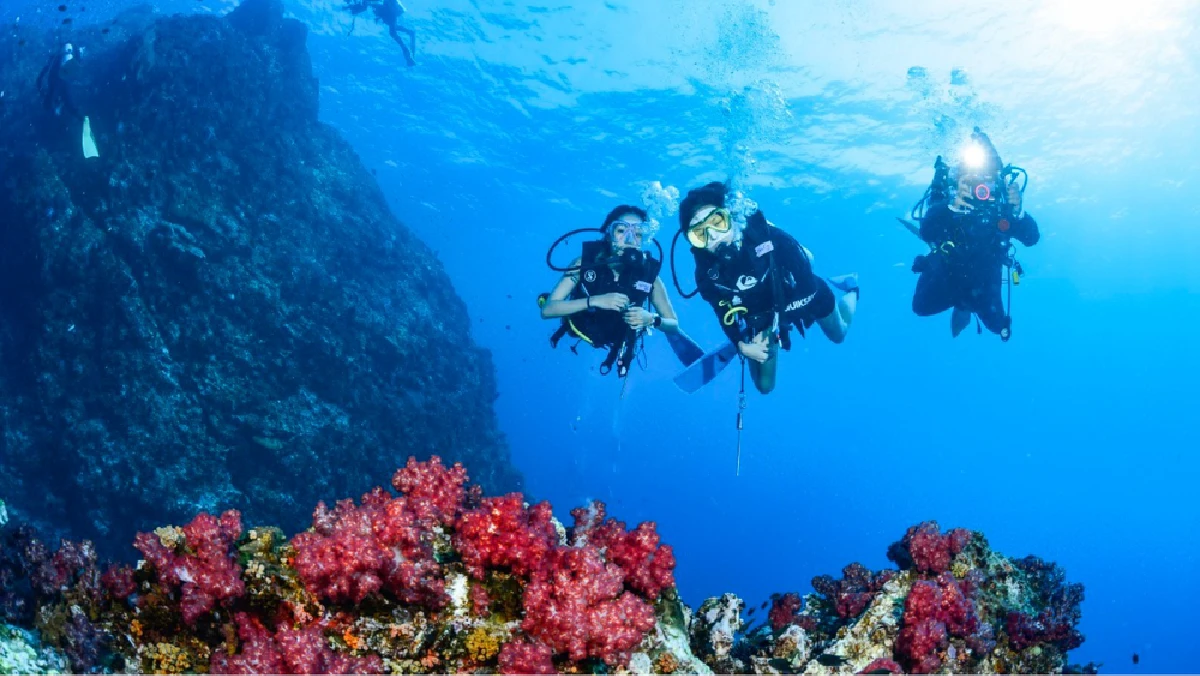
205,570
925,548
434,491
526,658
576,605
502,532
358,550
648,566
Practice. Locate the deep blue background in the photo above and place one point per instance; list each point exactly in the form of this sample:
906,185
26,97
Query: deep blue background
1073,442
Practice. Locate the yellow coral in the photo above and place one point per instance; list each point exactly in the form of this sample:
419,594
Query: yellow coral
169,536
166,658
960,569
482,646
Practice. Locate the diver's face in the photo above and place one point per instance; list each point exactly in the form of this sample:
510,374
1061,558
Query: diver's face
626,233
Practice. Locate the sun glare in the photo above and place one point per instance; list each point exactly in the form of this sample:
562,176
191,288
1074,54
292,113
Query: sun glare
1103,18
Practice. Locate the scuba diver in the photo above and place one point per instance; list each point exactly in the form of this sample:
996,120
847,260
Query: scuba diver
969,217
760,282
389,12
602,295
56,95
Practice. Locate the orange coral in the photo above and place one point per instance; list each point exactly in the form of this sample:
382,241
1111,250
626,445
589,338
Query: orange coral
430,660
354,642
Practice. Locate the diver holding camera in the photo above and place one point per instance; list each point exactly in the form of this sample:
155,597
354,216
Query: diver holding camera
969,217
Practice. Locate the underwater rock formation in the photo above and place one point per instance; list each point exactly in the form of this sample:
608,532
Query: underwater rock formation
436,578
219,311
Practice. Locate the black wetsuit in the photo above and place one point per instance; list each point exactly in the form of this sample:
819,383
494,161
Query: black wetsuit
738,283
56,95
605,328
965,270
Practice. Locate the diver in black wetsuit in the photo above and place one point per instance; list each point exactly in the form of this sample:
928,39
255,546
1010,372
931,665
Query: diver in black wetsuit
52,82
602,296
973,216
389,12
760,281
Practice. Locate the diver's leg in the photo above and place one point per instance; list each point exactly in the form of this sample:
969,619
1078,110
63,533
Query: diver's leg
836,324
988,303
67,103
934,293
412,39
392,30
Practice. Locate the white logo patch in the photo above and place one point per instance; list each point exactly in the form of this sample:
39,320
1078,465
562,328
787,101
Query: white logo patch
797,304
644,287
589,276
746,282
764,248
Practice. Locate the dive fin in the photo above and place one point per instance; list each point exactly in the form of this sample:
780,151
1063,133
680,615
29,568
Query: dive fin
704,370
959,320
89,141
684,347
912,227
845,283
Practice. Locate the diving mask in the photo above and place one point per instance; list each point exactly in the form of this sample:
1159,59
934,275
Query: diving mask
627,234
715,221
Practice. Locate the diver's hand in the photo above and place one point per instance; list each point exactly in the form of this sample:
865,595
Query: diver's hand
618,302
639,318
960,204
757,349
1014,197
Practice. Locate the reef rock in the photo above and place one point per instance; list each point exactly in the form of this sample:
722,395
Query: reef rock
215,310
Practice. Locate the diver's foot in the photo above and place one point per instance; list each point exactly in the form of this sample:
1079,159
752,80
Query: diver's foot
959,320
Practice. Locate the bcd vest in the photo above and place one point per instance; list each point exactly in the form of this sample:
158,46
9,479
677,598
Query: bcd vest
606,328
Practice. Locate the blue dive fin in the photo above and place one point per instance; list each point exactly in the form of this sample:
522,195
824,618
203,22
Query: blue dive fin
845,283
706,368
685,348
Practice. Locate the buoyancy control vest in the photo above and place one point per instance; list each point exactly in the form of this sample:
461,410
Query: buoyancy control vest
605,328
751,285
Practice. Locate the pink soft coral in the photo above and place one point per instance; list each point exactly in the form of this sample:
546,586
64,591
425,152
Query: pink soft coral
205,570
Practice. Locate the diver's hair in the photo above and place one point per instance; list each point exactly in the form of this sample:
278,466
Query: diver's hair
712,194
623,210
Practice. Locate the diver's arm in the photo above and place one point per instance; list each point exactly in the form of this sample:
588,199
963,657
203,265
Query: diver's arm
558,305
662,304
1025,230
936,226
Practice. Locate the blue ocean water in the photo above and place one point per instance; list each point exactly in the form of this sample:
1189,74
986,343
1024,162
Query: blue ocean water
522,121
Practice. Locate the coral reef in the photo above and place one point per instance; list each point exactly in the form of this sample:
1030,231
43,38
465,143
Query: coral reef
954,606
436,577
432,578
20,653
221,301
